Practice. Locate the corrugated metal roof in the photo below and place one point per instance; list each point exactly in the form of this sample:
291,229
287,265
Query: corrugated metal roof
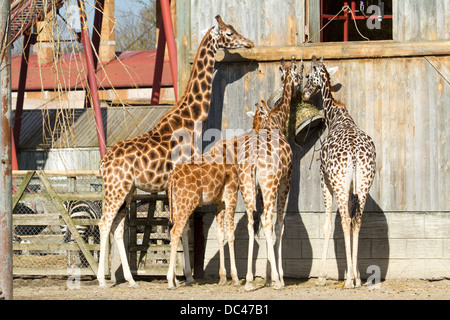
128,70
76,127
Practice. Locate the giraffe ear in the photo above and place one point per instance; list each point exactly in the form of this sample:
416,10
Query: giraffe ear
321,59
283,75
215,30
251,114
332,71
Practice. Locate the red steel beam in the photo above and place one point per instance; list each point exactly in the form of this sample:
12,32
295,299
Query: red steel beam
171,44
159,63
91,79
20,97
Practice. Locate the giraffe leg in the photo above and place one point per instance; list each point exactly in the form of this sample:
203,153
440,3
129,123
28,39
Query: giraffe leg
118,229
187,263
327,229
175,234
220,227
249,285
342,197
283,192
247,185
356,227
104,227
269,204
229,216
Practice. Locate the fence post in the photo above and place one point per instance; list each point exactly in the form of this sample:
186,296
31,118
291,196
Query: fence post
6,264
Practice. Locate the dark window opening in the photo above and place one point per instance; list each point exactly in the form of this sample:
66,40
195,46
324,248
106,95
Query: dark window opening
373,19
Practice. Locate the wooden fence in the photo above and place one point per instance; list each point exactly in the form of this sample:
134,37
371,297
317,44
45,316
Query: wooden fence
39,213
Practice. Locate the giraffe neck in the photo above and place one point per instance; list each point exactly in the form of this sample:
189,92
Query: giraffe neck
279,115
197,97
193,107
334,111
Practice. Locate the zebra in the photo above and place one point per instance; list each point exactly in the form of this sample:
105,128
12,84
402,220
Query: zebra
81,209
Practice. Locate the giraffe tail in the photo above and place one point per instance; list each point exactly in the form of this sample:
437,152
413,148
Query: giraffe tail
354,195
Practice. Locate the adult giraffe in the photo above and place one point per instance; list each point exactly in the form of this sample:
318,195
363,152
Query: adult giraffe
145,162
347,159
265,160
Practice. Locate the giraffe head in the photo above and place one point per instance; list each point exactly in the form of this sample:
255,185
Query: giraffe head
227,37
260,117
316,78
290,70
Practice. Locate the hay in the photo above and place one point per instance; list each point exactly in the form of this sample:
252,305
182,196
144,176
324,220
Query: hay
308,119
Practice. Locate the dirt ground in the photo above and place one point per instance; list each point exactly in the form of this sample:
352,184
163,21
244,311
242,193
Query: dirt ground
155,288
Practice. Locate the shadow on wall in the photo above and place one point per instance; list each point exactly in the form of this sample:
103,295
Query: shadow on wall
373,246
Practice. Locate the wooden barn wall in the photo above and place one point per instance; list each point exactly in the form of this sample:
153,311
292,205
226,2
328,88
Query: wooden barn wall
416,20
265,22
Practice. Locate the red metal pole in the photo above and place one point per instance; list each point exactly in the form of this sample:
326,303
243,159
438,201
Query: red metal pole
321,21
98,20
159,63
346,22
91,79
20,97
14,163
171,44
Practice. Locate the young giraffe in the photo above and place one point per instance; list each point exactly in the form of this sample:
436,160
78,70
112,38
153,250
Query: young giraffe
265,161
347,158
214,180
145,162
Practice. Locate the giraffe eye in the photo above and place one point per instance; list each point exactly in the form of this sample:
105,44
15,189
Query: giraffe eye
229,34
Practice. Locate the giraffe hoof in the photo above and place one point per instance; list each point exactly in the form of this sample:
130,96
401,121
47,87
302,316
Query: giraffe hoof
134,285
222,282
278,285
102,286
349,285
190,282
236,283
321,282
249,286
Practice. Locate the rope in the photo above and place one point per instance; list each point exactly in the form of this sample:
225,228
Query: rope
343,9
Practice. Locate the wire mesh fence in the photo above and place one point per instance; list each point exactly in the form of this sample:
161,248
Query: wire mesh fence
44,244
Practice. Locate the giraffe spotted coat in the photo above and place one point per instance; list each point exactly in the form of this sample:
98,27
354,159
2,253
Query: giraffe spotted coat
347,167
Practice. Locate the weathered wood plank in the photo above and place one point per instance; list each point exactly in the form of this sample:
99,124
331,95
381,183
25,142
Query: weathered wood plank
60,173
20,191
349,50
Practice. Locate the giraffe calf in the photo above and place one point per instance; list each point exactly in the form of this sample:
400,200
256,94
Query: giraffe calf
213,181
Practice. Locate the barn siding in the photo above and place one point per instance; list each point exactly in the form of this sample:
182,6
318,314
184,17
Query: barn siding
421,20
